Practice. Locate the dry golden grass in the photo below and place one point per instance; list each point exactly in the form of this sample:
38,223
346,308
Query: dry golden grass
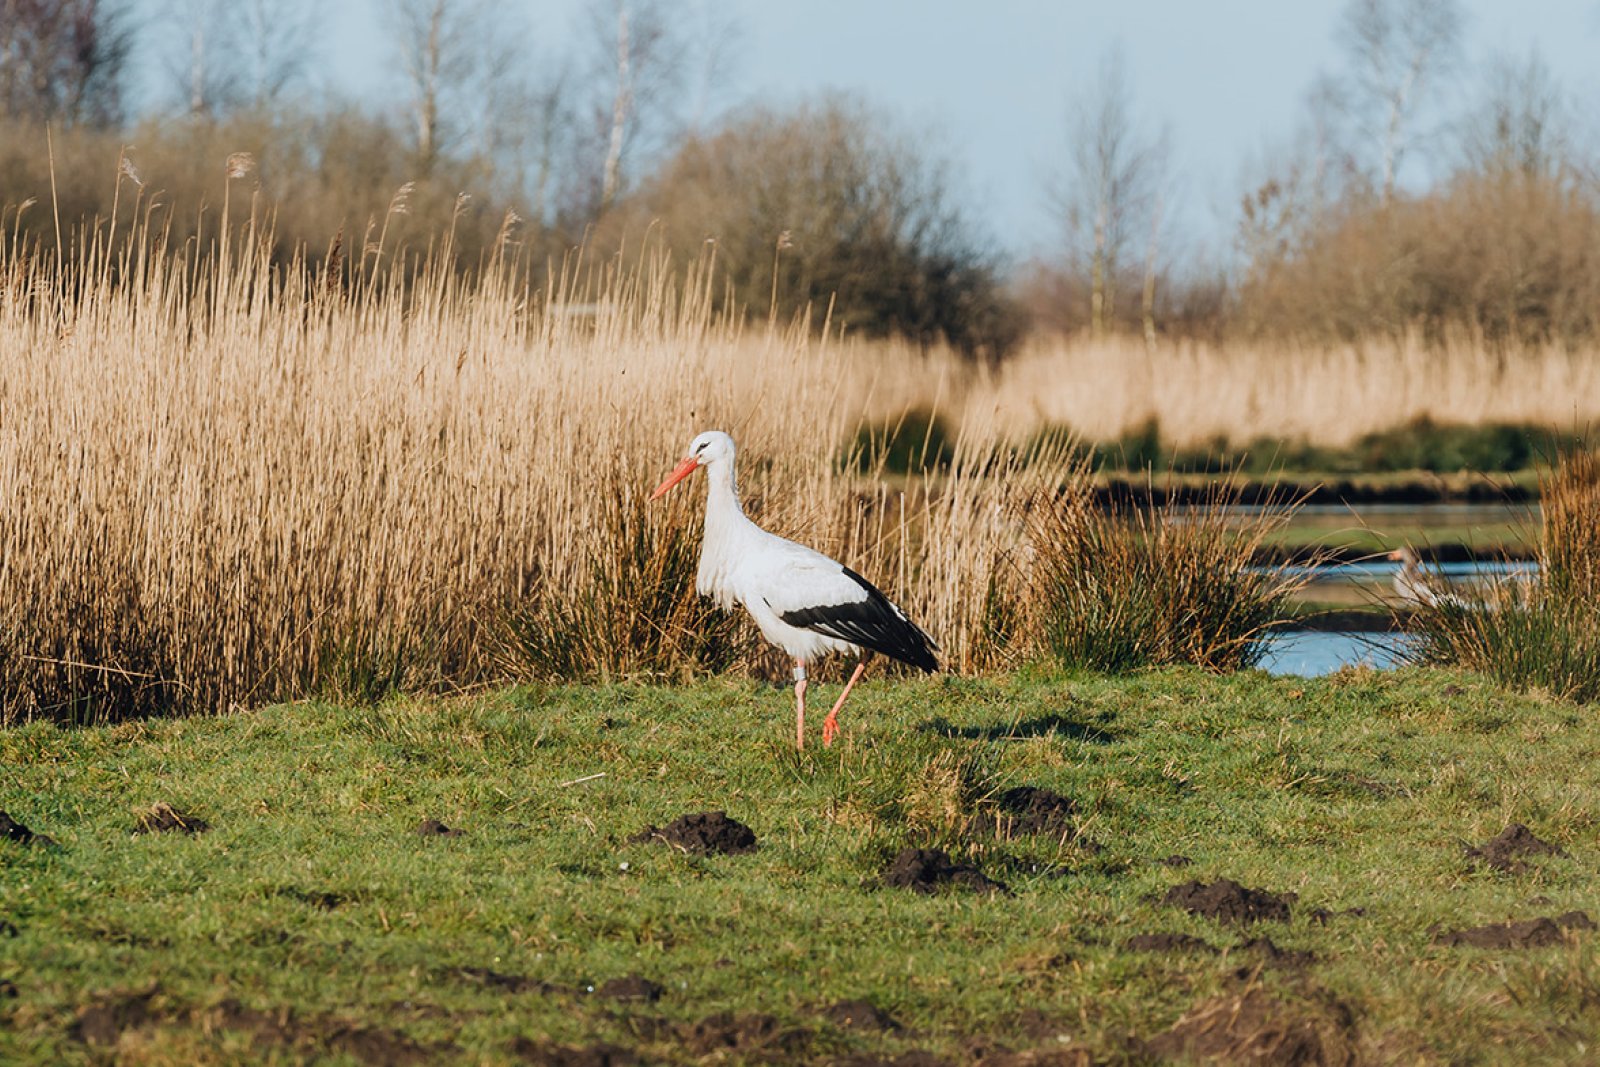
226,484
1323,395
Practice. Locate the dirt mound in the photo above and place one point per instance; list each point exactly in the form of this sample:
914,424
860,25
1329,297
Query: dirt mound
1269,954
103,1022
163,818
1027,809
1227,901
704,834
1043,1057
435,828
507,983
1255,1028
859,1015
318,898
1510,850
744,1036
630,987
1529,933
1167,943
12,830
915,1058
546,1054
926,869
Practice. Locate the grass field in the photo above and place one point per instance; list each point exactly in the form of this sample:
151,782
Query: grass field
312,918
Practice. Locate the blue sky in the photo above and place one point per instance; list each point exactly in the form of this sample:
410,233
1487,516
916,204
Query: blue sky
990,82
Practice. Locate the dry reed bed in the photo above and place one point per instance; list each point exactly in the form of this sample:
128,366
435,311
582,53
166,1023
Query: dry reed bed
226,485
1200,392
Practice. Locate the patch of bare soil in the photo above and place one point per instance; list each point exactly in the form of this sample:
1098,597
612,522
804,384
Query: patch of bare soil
1163,942
859,1015
1258,1029
12,830
318,898
1267,954
1509,851
703,834
753,1036
1227,901
1026,809
547,1054
1528,933
915,1058
163,818
1037,1057
435,828
505,983
103,1023
927,869
1175,860
630,987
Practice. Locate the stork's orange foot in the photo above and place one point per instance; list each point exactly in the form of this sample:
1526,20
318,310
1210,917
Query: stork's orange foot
830,730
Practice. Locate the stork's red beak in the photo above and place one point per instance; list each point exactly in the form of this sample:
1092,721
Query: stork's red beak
679,473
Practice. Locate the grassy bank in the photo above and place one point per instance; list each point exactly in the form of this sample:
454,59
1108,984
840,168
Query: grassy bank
311,915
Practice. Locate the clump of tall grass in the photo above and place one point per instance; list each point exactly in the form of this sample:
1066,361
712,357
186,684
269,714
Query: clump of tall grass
1543,634
1122,589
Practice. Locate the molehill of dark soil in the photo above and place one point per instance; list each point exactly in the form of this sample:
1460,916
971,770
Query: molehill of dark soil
163,818
705,833
1528,933
742,1037
548,1054
859,1015
1227,901
1256,1028
435,828
927,869
103,1022
12,830
630,987
1509,851
1164,942
1026,809
1267,952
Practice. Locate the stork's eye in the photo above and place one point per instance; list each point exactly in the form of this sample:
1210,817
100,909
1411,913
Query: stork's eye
701,447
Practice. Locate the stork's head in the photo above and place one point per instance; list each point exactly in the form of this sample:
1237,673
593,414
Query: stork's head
705,449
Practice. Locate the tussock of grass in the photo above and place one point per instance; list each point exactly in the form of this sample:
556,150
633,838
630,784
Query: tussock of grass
1127,589
1542,634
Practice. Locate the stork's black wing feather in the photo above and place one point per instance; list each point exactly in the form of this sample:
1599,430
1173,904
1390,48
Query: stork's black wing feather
871,622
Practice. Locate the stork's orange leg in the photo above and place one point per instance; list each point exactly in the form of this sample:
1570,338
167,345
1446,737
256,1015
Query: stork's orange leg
830,725
800,705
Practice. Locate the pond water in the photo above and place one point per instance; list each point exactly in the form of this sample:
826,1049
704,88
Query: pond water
1369,584
1309,653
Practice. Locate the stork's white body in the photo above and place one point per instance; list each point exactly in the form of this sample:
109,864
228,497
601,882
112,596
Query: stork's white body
740,563
802,601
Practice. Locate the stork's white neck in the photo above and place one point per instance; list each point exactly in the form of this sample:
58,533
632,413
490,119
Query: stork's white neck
725,525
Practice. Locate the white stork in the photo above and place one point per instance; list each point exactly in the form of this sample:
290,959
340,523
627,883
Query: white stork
802,601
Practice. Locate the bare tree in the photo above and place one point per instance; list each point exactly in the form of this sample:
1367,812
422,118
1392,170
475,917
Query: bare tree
1523,122
638,69
63,59
451,52
1399,53
1109,197
276,42
228,54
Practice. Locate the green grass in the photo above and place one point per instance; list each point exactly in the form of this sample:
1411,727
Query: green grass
1354,791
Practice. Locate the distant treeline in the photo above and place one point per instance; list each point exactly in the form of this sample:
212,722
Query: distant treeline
830,208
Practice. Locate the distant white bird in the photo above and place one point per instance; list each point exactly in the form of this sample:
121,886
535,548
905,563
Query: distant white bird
802,601
1414,586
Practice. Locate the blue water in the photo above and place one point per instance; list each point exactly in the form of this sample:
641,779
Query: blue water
1308,653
